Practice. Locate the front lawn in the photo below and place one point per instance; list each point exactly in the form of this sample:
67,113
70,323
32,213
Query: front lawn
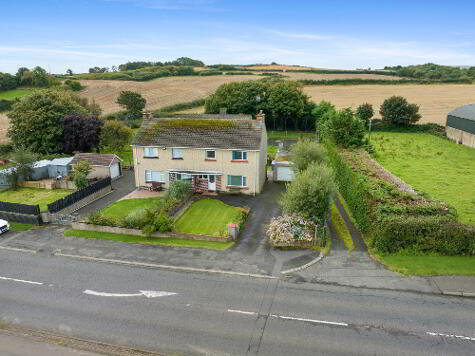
33,196
169,241
430,265
208,217
432,165
124,207
15,226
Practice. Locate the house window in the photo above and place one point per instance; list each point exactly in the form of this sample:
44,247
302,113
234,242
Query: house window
155,176
237,181
210,154
150,152
203,176
239,156
177,153
183,176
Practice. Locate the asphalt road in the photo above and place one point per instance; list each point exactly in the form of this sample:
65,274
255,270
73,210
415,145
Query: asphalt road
214,314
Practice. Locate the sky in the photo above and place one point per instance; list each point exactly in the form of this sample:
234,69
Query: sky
79,34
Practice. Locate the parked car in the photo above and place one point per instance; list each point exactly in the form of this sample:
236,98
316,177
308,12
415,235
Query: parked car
4,226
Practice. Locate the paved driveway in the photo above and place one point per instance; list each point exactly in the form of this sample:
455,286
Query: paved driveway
121,187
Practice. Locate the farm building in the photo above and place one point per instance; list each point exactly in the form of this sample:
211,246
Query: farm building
103,165
461,125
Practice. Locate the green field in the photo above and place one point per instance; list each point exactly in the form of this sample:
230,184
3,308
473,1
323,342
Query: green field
208,217
432,165
122,208
13,94
163,241
33,196
291,135
431,265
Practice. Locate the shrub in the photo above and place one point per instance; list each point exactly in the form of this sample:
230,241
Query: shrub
115,135
365,112
97,218
344,129
137,219
5,104
73,85
310,194
288,229
160,222
179,190
396,110
305,152
80,173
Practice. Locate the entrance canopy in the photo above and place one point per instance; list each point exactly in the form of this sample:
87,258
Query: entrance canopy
195,173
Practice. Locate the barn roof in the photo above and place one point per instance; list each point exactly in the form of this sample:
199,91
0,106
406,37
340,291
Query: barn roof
465,112
462,118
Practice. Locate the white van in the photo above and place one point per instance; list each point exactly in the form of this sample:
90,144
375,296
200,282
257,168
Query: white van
4,226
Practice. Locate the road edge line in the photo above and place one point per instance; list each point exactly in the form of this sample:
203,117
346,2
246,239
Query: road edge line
17,249
153,265
297,269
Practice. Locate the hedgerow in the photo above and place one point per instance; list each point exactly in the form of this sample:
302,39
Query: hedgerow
396,220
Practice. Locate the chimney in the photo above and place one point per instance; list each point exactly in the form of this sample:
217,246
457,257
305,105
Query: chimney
147,115
261,117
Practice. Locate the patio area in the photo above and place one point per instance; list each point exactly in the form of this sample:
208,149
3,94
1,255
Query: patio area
143,193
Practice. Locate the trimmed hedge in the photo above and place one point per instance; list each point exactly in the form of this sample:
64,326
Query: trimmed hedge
361,81
397,221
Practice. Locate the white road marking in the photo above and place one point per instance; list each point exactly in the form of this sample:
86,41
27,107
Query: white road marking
20,280
309,320
241,312
451,336
17,249
142,293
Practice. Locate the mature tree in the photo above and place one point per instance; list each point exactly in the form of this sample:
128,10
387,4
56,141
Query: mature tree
365,112
98,70
396,110
283,102
310,194
35,119
8,81
115,136
306,152
21,71
40,77
344,128
133,102
22,160
69,72
80,172
81,133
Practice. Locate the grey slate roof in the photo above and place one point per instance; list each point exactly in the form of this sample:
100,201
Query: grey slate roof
96,159
221,132
465,112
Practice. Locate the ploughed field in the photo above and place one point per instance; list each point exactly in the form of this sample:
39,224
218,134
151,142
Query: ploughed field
435,100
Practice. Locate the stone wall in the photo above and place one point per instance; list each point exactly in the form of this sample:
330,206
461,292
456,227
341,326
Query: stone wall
459,136
135,232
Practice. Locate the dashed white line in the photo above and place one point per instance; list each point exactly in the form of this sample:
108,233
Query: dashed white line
309,320
241,312
460,337
20,280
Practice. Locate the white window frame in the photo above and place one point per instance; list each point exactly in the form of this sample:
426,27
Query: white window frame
244,155
161,175
178,153
147,150
244,181
210,158
184,174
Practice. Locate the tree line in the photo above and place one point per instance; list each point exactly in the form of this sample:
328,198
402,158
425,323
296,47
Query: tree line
36,77
431,71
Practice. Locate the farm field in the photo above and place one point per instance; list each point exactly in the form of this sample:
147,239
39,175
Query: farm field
172,90
13,94
432,165
435,100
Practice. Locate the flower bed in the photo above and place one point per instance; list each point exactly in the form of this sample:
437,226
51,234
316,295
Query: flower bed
292,230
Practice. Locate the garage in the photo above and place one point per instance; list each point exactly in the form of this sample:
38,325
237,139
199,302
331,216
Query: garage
282,171
103,165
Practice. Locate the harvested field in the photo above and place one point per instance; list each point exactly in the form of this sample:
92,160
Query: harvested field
159,92
172,90
435,100
278,67
3,127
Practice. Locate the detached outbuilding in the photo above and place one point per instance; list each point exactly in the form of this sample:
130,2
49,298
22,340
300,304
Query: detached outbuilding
103,165
461,125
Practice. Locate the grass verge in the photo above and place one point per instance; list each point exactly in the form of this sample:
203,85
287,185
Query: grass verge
430,265
340,226
15,226
169,241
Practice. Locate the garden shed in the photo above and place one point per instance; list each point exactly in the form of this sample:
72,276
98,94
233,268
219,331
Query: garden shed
4,181
282,171
461,125
60,167
103,165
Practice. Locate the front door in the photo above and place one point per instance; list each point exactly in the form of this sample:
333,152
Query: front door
212,183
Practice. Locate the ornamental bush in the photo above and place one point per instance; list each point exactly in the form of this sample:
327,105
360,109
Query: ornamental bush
310,194
179,190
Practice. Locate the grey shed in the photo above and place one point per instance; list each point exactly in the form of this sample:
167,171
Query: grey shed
461,125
